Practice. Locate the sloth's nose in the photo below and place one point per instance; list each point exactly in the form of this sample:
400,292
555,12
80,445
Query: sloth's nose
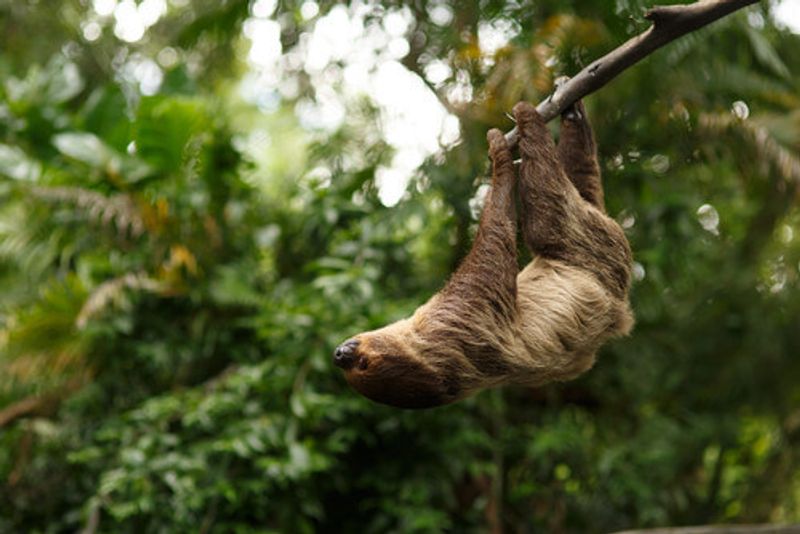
345,354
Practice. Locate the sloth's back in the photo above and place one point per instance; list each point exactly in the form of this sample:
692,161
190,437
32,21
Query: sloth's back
564,315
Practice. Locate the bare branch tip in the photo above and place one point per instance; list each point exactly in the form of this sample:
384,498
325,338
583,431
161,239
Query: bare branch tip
669,22
660,14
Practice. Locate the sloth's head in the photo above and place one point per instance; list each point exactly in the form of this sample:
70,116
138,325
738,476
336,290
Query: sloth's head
383,366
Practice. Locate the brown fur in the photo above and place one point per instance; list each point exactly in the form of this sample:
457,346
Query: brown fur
492,325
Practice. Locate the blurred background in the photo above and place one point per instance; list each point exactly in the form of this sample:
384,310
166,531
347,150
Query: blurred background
200,199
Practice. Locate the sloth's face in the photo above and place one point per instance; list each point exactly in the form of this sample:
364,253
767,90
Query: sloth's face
382,369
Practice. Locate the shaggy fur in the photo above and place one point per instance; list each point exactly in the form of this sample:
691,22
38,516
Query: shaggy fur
492,325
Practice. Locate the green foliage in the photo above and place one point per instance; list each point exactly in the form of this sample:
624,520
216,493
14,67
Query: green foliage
177,267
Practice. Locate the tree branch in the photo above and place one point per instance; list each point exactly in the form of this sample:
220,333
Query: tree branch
720,529
19,409
38,404
669,23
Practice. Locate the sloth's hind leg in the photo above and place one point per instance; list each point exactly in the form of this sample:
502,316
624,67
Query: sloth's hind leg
557,223
550,203
577,153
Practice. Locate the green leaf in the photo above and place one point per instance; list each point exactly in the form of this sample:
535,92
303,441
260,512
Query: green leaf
164,126
766,53
15,164
65,81
86,148
58,82
105,114
91,150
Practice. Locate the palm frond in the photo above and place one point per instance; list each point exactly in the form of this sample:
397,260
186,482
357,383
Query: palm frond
40,342
119,209
760,138
113,291
26,243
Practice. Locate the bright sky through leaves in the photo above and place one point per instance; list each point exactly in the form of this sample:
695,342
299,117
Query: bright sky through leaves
414,122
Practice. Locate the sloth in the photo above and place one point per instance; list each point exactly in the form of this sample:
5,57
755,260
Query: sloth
493,324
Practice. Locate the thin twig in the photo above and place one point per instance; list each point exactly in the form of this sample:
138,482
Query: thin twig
669,23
